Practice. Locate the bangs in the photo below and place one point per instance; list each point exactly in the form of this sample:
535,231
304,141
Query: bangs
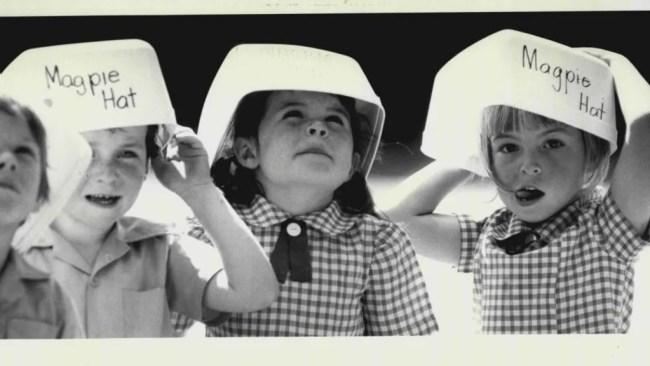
501,119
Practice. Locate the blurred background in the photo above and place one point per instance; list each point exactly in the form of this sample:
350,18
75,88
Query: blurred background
400,54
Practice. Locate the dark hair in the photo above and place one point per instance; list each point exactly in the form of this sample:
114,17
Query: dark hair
17,110
150,141
239,183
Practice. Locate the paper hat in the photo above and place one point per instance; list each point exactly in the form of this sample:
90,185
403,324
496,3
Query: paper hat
68,156
95,85
249,68
519,70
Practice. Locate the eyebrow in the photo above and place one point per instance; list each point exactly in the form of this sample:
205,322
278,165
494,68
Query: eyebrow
28,141
291,104
131,144
127,144
503,135
337,109
557,129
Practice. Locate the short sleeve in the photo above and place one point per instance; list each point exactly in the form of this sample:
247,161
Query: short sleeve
191,266
396,301
616,231
469,234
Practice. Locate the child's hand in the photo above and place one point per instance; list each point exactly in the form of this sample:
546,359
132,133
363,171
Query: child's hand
195,169
632,89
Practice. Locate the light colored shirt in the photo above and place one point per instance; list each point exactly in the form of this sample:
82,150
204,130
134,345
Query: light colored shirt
32,305
142,272
580,281
365,279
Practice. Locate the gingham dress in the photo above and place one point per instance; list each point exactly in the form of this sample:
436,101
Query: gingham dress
365,280
581,281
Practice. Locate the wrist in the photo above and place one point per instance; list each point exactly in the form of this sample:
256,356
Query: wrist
198,192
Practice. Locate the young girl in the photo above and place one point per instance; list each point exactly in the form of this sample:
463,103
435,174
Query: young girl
125,274
558,257
293,162
31,304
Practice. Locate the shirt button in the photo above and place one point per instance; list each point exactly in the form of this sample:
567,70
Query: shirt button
293,229
94,282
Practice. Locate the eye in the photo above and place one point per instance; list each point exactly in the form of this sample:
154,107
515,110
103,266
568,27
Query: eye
128,154
335,119
553,144
507,148
25,150
292,113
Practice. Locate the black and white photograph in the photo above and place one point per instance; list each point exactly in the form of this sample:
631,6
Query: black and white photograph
324,186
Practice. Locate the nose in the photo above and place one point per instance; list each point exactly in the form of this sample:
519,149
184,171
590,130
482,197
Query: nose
317,128
7,161
103,172
531,165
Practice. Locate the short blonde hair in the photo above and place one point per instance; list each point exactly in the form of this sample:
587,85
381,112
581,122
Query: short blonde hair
499,119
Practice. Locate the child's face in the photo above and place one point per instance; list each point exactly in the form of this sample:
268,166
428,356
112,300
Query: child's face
543,167
20,170
304,138
114,177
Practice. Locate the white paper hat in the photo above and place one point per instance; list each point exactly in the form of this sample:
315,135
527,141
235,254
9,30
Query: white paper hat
518,70
249,68
94,85
68,157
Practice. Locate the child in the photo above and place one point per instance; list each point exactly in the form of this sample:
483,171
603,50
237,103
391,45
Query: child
125,274
558,258
293,161
31,304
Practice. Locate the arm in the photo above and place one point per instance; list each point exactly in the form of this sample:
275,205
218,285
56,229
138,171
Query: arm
251,281
630,179
433,235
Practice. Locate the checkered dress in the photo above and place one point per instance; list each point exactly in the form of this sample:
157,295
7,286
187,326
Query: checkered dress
365,280
581,281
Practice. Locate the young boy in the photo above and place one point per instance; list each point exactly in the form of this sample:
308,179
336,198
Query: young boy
31,304
558,258
126,274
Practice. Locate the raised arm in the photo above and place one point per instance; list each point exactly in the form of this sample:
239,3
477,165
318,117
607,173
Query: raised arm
251,280
630,179
433,235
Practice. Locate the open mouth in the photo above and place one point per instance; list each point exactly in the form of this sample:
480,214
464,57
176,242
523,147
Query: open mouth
528,195
102,200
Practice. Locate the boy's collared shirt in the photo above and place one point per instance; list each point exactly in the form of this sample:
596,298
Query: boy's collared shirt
141,273
581,280
365,279
32,305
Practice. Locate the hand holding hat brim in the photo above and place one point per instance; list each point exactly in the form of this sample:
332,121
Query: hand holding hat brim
193,170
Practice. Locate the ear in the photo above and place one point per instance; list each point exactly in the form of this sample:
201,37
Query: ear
246,152
356,162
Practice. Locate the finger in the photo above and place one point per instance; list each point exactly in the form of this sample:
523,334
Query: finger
189,141
182,131
159,164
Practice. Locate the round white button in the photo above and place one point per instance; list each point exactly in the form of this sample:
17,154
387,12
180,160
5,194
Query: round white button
293,229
